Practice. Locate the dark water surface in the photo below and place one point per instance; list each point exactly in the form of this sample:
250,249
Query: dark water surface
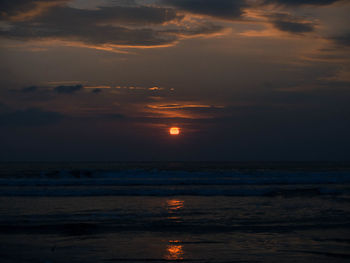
173,212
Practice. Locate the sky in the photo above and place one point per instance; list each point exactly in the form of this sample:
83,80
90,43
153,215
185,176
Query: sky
244,80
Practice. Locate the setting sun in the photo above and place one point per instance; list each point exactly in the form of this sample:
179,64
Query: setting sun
174,131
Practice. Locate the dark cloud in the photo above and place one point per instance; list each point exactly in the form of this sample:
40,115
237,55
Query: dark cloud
106,25
225,9
63,89
29,89
98,35
203,29
293,27
343,40
301,2
291,24
11,8
113,116
56,12
138,15
96,91
68,89
88,34
95,35
29,117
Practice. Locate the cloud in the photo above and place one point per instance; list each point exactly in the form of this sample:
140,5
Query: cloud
205,29
136,15
96,91
20,10
29,117
185,110
225,9
113,116
342,40
301,2
62,89
182,106
290,24
29,89
68,89
155,88
293,27
107,27
95,35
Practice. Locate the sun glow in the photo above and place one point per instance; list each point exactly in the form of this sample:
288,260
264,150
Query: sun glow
174,131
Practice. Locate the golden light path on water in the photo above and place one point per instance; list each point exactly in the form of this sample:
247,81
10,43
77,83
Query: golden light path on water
174,249
174,205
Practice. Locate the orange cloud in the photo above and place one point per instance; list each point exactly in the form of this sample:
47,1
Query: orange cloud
183,110
180,106
34,8
155,88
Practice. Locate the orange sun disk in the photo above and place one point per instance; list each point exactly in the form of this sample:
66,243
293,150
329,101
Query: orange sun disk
174,131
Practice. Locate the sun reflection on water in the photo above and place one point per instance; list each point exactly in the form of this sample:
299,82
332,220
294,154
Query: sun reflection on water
174,205
174,250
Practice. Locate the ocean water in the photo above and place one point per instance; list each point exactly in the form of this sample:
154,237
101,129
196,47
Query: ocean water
173,212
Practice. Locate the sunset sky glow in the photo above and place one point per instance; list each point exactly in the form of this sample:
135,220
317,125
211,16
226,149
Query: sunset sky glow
246,79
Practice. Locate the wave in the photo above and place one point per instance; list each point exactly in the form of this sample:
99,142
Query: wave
155,182
171,191
175,178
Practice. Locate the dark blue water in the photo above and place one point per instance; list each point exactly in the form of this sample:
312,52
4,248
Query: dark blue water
161,212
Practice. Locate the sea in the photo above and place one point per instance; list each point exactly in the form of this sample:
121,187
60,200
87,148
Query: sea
174,212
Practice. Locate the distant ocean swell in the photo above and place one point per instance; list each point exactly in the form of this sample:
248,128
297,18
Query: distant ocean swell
171,183
268,192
